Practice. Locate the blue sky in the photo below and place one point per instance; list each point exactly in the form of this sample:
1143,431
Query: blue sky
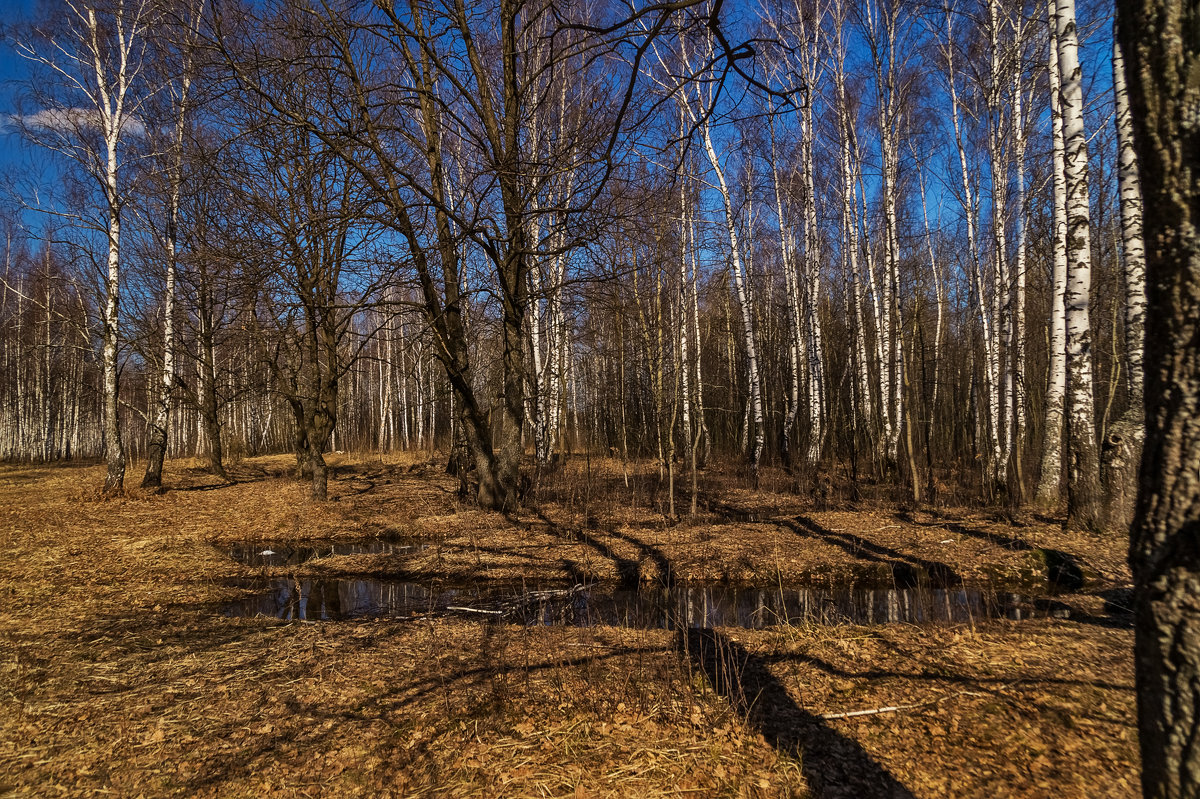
12,68
15,156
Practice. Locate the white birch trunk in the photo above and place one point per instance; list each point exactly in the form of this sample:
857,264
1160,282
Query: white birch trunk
991,366
850,225
1001,320
811,292
1019,359
1049,483
1083,492
793,305
1132,246
755,407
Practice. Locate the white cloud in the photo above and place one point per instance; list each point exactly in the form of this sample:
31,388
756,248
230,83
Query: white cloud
68,120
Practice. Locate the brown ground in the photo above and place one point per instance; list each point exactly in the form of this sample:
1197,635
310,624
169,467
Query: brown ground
119,675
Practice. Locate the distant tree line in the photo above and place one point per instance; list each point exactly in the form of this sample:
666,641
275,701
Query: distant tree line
887,243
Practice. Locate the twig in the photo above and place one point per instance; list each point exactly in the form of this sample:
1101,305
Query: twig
894,708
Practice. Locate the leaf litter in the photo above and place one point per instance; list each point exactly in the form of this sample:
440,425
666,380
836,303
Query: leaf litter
119,676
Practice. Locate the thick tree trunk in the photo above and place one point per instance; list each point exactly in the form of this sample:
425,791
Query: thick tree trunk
320,427
299,437
1161,43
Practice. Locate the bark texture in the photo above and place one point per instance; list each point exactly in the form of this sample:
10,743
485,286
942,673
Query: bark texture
1161,43
1123,447
1083,472
1049,489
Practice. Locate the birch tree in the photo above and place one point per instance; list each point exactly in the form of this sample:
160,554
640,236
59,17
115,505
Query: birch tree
851,218
1049,490
1083,472
698,110
1122,448
96,54
882,29
180,96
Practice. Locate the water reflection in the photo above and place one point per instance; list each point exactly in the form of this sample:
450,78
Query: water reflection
295,554
682,606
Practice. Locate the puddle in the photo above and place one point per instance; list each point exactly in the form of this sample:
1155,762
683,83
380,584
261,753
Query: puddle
267,554
682,606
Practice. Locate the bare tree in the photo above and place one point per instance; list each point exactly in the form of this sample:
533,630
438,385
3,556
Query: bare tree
180,99
95,54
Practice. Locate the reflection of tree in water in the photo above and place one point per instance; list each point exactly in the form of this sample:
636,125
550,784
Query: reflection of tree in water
680,606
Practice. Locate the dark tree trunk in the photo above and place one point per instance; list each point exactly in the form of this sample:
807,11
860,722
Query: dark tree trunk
511,449
300,438
1161,44
320,427
1119,459
216,455
320,476
210,405
156,453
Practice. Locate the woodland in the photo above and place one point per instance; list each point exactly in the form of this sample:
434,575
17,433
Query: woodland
525,304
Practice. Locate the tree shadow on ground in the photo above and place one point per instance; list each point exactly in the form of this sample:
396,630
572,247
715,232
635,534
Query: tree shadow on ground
1063,569
629,570
908,570
834,765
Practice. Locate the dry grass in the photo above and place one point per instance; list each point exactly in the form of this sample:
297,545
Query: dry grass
119,675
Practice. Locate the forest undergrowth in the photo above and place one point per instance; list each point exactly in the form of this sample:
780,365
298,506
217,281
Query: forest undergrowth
120,675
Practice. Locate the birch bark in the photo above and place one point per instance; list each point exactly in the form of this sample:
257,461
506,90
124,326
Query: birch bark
157,449
1083,473
1122,449
1049,484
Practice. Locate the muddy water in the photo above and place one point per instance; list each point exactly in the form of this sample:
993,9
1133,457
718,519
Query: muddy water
681,606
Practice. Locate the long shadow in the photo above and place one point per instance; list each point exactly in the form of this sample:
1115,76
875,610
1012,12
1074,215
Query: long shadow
908,570
990,536
1062,568
215,486
629,570
833,764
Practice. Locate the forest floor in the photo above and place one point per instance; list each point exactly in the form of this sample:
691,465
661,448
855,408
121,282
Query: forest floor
120,675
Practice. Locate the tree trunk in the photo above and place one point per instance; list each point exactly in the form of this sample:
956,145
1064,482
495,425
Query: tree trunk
1122,448
1161,43
1049,483
1083,473
114,454
792,322
754,409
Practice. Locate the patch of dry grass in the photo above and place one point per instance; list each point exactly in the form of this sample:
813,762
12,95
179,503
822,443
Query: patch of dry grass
118,675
